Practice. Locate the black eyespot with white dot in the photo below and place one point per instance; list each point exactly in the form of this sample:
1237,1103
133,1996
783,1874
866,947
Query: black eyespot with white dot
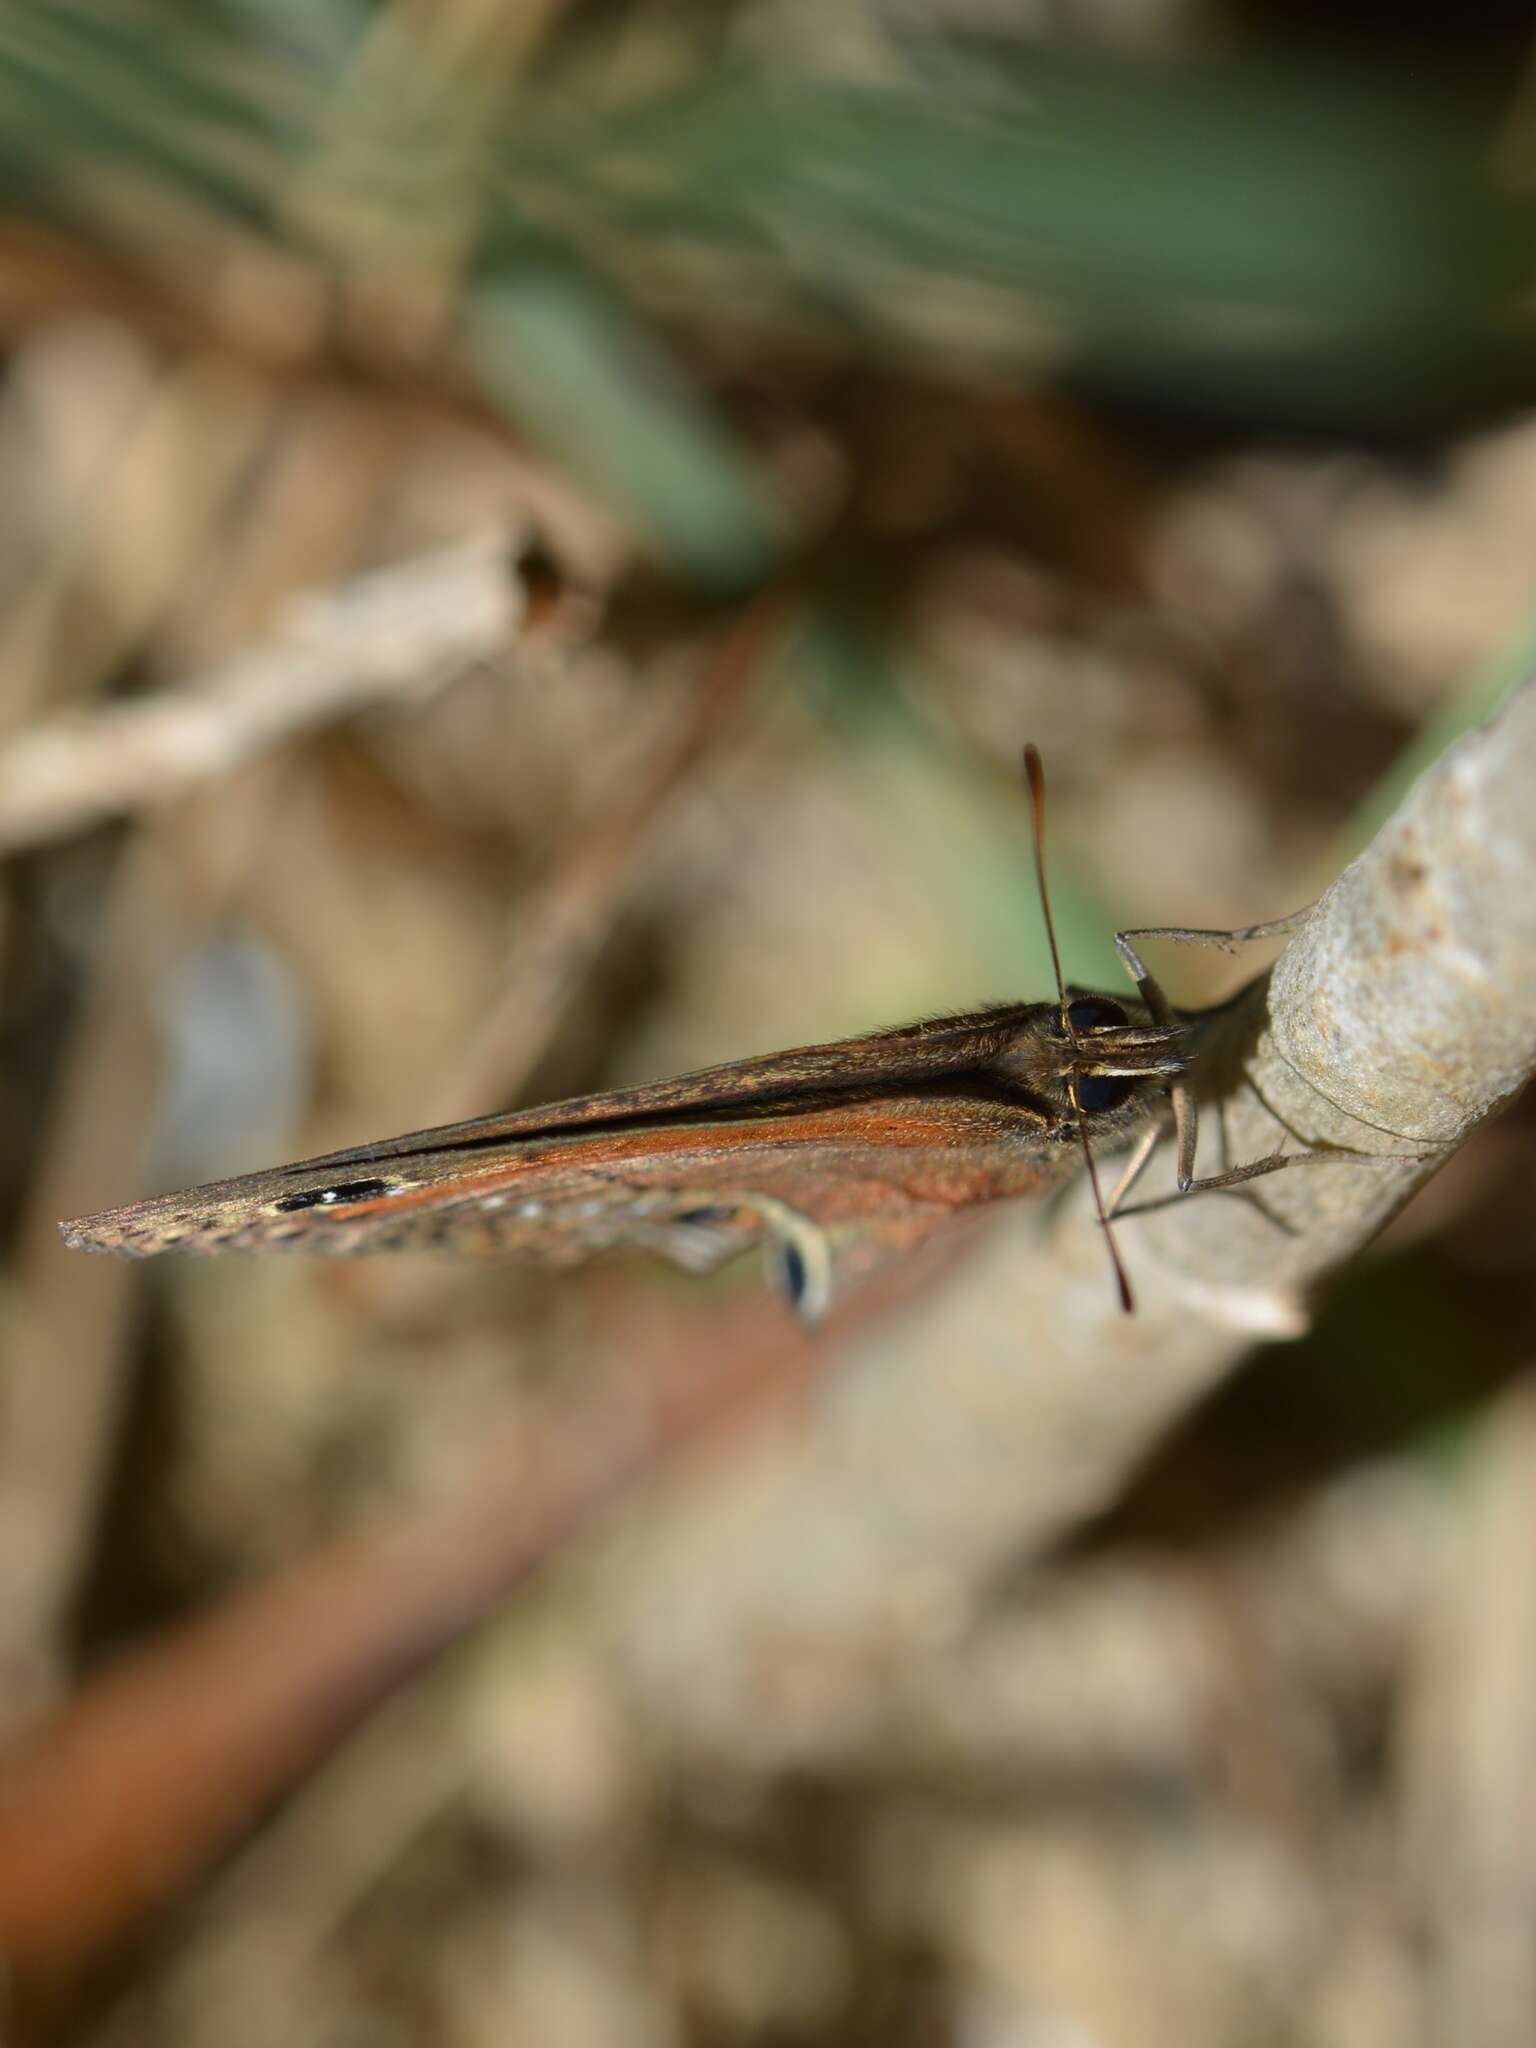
326,1198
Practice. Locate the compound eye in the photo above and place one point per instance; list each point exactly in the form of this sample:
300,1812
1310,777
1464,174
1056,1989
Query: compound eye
1092,1013
1096,1092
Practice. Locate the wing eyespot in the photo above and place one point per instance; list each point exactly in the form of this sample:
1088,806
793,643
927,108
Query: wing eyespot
793,1278
800,1269
328,1197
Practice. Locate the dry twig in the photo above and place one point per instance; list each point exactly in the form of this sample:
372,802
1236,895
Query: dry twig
393,632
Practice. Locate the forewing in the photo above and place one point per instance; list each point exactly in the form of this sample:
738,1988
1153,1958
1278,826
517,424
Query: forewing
908,1054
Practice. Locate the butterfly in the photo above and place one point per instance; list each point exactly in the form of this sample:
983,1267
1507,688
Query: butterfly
832,1159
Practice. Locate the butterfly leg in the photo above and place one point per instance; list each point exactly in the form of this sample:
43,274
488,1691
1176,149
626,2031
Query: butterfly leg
1146,982
1272,1162
1186,1117
1133,1169
1190,935
1186,1129
1185,1110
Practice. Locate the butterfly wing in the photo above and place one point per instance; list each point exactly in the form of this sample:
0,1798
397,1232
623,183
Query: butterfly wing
826,1186
243,1213
838,1154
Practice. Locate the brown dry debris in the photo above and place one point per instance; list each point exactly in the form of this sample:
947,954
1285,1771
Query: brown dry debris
448,1653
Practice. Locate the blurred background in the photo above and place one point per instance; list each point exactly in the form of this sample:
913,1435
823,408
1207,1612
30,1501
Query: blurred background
755,420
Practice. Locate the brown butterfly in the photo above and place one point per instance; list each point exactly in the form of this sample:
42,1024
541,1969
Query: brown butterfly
832,1158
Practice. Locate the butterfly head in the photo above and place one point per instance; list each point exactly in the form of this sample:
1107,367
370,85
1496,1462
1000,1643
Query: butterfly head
1095,1054
1094,1057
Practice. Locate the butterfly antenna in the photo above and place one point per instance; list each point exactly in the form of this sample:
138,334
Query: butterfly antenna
1034,775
